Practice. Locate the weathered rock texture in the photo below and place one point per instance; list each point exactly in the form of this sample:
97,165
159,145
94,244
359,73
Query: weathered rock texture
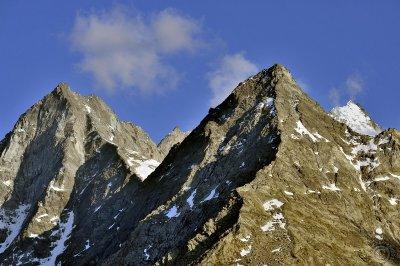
267,178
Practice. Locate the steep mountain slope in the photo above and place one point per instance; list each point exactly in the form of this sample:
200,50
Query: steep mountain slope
267,178
273,179
176,136
66,169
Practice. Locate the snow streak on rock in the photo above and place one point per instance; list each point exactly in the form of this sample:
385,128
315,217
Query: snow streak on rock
63,233
11,222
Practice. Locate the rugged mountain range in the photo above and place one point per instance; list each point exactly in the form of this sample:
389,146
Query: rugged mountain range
267,178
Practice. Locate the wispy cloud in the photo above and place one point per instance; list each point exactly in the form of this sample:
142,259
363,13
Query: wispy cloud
231,70
123,49
354,85
334,96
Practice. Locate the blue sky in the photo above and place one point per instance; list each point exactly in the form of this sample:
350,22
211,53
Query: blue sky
164,63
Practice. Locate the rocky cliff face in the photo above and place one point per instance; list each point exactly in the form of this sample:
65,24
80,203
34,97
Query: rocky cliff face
267,178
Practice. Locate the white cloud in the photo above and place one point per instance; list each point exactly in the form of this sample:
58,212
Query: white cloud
334,96
123,49
230,71
354,85
175,32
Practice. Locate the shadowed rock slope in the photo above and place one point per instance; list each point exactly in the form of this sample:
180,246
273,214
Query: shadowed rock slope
267,178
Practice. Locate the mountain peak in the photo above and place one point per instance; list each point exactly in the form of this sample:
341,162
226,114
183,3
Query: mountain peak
279,67
354,116
62,88
176,130
172,138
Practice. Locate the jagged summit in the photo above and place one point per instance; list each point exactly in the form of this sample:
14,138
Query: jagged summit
266,178
356,118
62,87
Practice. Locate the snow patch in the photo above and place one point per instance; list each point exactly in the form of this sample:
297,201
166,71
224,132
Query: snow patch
335,169
245,251
302,130
8,183
276,250
288,193
111,226
64,231
371,147
39,218
213,194
98,208
277,221
269,102
87,246
172,212
310,191
317,135
378,233
272,204
381,178
145,168
12,222
355,118
146,252
245,239
190,199
396,176
88,109
393,201
383,141
331,187
56,188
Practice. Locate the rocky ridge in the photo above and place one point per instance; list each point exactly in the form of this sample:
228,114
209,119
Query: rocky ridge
268,177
